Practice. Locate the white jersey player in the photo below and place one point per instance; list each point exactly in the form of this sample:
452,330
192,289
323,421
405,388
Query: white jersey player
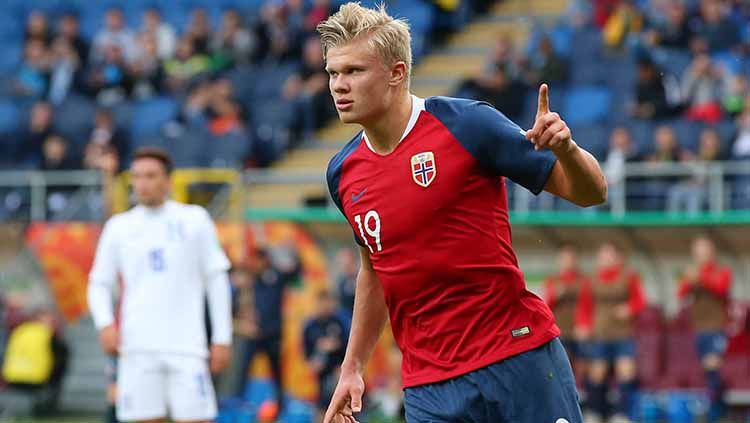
170,262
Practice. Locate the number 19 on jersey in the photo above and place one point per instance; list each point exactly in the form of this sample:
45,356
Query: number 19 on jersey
371,225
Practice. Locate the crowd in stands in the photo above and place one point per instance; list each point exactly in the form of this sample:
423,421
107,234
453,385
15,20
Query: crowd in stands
222,84
649,81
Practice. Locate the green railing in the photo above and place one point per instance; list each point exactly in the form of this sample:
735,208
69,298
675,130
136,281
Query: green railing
536,218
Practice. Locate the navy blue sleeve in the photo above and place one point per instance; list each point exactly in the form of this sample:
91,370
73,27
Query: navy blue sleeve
333,176
498,144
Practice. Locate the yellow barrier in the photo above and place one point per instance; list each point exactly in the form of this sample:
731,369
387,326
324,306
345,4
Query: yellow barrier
182,179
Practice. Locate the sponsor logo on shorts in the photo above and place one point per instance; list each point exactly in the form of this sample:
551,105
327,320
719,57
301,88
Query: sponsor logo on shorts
562,420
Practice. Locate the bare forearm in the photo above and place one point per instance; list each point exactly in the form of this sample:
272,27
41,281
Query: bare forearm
370,314
585,184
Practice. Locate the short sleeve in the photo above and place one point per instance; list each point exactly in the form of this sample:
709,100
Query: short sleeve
333,177
501,147
213,259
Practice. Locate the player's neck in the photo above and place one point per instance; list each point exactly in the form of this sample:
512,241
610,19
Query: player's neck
155,206
385,134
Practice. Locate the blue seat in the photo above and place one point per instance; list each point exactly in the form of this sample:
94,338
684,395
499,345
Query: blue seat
73,118
593,138
150,115
586,105
228,151
688,133
10,60
642,135
10,116
670,61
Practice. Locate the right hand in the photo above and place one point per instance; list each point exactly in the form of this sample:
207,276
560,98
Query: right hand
347,398
109,337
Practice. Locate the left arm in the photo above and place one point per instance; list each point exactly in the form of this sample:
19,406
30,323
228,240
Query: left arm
214,265
577,176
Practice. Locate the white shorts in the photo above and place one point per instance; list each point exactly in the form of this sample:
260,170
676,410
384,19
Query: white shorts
157,385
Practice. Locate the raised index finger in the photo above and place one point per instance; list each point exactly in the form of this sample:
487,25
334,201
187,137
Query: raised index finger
543,104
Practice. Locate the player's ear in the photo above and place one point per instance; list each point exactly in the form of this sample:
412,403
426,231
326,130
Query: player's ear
398,74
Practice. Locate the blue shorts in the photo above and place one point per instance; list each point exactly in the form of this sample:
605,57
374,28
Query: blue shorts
532,387
611,350
707,343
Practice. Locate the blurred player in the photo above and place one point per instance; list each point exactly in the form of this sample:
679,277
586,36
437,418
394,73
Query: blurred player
170,261
705,288
609,305
561,295
423,189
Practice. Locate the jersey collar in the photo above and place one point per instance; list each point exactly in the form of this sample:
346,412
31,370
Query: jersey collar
417,105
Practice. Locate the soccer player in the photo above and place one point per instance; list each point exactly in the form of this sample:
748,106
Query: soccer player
171,262
423,189
608,305
705,288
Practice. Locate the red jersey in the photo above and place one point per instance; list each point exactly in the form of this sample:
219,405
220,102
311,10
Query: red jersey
434,215
712,277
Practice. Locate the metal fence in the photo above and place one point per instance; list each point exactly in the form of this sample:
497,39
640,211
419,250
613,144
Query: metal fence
712,187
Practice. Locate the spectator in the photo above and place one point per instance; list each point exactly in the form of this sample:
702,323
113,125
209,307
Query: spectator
705,288
621,151
31,138
325,337
109,80
66,74
691,193
146,69
608,307
107,134
161,32
55,157
307,89
702,88
498,83
269,285
245,329
715,28
34,366
546,65
741,145
735,100
650,92
500,90
673,31
33,77
561,291
233,44
625,20
199,31
346,283
185,66
282,38
55,154
70,30
37,28
319,11
115,34
667,150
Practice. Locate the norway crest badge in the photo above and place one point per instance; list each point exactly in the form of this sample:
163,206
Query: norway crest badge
423,168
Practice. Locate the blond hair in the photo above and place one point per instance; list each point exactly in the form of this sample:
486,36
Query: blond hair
388,37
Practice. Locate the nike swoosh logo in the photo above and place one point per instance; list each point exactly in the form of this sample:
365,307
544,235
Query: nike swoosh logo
356,197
